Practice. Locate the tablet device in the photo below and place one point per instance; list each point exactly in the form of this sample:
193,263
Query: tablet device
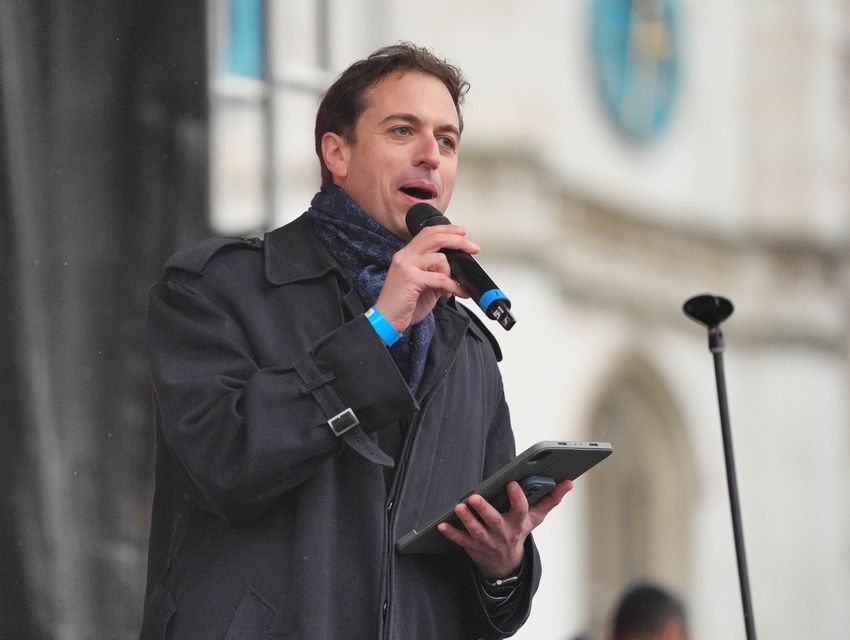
537,469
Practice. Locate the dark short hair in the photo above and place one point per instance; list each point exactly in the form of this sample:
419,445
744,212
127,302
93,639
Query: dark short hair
344,101
645,608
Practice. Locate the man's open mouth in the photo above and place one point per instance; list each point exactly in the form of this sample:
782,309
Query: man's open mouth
420,193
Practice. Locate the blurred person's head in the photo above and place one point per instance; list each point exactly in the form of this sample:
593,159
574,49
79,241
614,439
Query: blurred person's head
648,612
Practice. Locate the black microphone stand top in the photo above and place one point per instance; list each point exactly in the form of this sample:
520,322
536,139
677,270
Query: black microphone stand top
710,311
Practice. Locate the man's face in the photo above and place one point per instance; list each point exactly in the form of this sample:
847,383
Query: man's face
405,149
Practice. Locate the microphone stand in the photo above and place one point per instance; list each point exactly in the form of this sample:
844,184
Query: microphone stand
710,311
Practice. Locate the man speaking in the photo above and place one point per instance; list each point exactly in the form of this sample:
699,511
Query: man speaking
320,392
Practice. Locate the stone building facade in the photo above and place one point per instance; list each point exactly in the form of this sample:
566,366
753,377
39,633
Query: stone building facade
600,224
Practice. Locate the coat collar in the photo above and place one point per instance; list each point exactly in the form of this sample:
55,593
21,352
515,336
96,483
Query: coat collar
294,253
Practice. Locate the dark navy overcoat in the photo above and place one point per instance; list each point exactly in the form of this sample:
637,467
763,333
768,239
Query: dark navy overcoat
267,525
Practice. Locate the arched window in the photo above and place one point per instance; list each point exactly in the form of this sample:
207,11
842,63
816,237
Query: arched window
640,503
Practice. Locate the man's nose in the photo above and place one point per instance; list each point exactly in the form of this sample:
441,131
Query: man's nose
428,152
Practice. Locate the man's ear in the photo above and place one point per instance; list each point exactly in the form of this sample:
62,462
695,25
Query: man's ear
336,154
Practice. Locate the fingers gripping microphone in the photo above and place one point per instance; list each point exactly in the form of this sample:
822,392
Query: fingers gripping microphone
465,269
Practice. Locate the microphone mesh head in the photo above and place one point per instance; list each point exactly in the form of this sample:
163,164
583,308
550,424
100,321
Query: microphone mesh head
423,215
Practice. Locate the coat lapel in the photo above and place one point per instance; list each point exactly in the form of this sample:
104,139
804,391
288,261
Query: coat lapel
452,324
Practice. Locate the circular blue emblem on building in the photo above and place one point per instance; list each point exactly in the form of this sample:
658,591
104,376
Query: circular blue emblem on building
635,46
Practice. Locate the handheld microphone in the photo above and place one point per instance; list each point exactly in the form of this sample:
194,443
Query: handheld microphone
465,269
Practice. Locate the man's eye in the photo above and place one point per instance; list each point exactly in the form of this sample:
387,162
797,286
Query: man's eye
402,131
449,143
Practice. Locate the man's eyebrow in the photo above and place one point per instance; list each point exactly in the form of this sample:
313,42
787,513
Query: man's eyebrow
415,120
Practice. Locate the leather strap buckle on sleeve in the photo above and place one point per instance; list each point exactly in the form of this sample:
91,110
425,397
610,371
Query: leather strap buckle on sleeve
342,420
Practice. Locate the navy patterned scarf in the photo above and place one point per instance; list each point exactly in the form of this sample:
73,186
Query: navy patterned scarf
364,248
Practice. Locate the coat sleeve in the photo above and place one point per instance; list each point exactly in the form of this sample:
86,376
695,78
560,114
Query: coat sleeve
505,621
245,435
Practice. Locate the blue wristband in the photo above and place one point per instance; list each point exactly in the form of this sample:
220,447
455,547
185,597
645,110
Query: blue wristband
383,327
